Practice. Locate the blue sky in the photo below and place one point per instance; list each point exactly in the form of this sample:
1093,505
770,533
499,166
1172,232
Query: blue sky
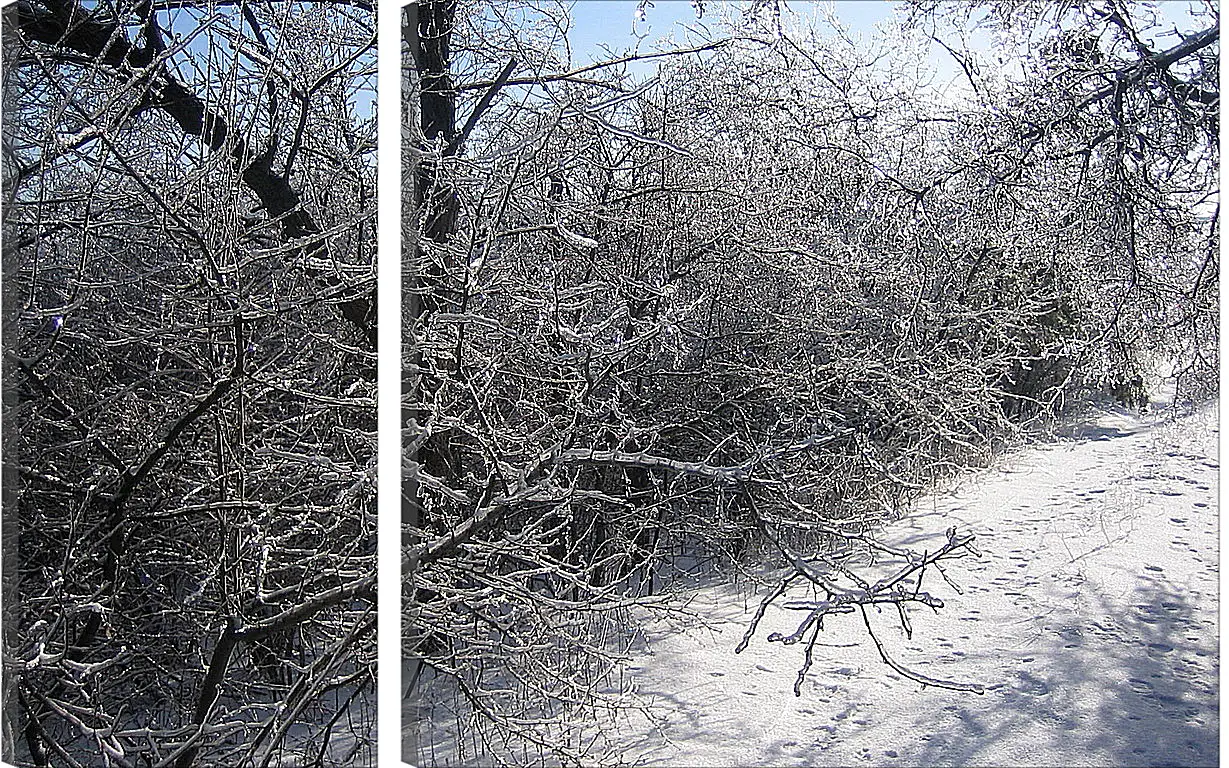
614,23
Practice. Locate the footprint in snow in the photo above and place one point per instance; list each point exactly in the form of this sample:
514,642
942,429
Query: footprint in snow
1032,685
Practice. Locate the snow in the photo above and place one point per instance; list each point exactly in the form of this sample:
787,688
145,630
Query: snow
1091,618
577,240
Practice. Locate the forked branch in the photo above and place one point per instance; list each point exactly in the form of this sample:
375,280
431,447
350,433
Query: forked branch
898,589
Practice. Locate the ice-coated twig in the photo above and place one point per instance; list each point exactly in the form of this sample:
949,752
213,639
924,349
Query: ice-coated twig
893,589
916,676
807,658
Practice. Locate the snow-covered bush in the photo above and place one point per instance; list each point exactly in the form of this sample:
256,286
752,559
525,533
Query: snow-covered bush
748,308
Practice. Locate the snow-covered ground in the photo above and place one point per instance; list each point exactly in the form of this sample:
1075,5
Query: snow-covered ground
1090,618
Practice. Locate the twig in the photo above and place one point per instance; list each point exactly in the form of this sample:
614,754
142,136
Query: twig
806,663
759,613
916,676
454,147
589,68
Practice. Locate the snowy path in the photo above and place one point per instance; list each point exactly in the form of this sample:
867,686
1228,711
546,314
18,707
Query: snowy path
1091,618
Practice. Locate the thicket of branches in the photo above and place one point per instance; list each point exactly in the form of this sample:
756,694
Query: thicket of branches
189,356
750,306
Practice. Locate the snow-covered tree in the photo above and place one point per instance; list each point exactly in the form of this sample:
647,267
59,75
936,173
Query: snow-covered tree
189,356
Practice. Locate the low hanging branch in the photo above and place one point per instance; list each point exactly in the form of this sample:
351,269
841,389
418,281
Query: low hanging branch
488,512
898,589
902,587
647,461
736,474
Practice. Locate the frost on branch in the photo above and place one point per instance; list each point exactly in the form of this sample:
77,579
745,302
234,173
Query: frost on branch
845,591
